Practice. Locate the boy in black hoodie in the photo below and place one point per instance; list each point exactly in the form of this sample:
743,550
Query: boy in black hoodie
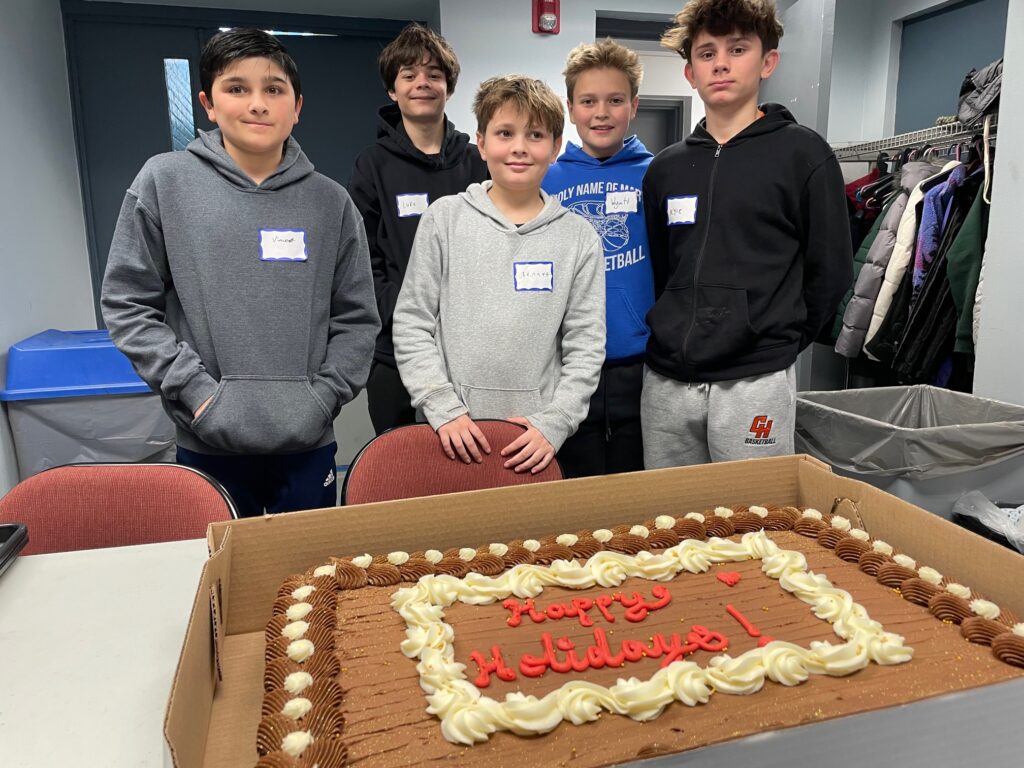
750,247
418,157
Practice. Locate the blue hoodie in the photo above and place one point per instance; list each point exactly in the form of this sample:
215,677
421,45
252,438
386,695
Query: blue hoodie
588,186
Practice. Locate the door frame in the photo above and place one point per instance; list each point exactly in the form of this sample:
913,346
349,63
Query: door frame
678,106
201,20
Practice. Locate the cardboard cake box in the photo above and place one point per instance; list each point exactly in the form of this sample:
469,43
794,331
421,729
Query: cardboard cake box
217,692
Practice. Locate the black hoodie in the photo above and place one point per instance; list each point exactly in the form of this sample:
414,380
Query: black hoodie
392,167
750,245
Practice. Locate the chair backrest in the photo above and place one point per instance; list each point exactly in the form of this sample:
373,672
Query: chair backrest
408,461
91,506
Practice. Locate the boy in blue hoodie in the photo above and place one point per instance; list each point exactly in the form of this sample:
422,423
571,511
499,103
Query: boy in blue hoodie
238,284
600,179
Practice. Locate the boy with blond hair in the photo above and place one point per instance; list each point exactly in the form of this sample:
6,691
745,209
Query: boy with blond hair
501,314
600,179
750,246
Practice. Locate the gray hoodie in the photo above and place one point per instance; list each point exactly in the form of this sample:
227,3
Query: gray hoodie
498,321
259,296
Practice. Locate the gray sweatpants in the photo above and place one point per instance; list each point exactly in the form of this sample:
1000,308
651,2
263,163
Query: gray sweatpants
696,423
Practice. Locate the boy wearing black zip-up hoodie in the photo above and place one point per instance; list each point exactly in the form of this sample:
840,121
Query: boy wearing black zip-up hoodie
418,158
750,247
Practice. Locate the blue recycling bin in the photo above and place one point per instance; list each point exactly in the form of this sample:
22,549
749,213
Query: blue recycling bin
71,396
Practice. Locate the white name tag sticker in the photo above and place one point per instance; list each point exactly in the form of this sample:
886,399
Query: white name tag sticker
682,210
620,202
283,245
533,275
412,204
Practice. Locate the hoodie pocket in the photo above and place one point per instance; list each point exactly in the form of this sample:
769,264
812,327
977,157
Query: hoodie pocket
627,333
718,329
492,403
263,415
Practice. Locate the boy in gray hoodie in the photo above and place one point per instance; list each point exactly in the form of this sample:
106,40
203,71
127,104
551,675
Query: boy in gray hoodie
238,284
501,314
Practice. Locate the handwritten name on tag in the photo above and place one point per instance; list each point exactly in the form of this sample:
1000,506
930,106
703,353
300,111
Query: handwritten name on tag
681,210
411,204
621,202
283,245
534,275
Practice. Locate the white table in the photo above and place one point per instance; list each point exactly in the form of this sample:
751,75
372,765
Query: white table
88,646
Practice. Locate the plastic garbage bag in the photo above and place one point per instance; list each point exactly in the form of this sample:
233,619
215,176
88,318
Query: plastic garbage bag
924,444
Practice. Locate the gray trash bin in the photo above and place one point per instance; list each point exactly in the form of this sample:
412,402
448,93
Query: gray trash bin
923,444
71,396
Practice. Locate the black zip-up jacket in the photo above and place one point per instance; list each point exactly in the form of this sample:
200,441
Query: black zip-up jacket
750,245
392,167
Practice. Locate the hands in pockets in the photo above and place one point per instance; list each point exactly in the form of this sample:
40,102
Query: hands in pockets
711,322
262,415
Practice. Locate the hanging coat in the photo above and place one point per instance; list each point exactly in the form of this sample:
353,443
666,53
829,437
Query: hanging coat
858,312
859,259
964,268
902,254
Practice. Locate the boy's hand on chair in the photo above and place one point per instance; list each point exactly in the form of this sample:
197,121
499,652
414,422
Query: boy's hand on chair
534,450
463,437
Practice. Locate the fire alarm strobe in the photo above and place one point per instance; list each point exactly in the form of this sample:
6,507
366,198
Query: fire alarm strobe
546,17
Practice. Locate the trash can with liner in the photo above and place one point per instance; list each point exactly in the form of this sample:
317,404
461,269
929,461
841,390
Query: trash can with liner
71,396
923,444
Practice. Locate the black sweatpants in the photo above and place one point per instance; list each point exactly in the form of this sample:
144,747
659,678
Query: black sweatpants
387,401
279,483
609,440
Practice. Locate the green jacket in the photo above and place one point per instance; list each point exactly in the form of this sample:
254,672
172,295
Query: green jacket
963,264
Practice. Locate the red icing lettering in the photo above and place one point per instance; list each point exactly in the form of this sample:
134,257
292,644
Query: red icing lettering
536,616
599,654
744,621
764,641
707,640
637,607
602,602
495,664
555,611
580,606
517,612
730,578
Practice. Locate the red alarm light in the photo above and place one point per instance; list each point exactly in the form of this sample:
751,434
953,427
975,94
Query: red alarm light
546,17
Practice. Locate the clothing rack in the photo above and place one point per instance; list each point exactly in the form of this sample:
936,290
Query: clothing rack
939,136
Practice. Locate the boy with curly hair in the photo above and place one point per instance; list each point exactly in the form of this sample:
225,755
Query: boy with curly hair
750,246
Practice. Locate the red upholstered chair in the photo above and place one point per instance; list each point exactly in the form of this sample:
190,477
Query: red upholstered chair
408,461
91,506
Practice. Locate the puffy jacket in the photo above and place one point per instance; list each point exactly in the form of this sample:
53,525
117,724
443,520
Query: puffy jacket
859,260
858,312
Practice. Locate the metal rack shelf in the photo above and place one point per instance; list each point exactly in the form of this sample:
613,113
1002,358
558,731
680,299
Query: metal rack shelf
939,136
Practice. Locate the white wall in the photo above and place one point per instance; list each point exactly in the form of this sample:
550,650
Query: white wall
999,367
44,264
496,38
